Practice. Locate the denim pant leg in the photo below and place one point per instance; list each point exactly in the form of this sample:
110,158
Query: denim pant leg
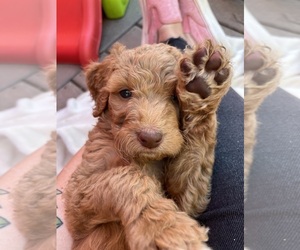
225,213
272,208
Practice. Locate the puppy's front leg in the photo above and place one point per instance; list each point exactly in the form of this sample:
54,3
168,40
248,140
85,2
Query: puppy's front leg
126,195
204,77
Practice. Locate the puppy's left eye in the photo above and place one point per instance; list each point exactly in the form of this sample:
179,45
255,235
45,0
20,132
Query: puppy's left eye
125,93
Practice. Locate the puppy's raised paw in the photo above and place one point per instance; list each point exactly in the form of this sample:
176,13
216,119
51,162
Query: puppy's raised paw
206,72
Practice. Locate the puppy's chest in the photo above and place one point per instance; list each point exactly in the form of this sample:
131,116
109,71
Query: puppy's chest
155,169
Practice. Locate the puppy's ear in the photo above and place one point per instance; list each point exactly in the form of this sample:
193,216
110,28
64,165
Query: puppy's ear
97,75
117,49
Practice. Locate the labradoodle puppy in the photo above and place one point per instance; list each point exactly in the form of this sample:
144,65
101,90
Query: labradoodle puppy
148,161
262,75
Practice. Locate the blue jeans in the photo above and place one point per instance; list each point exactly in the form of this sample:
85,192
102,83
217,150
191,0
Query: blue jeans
272,209
225,212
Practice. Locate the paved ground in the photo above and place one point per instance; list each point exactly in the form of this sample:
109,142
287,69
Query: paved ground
27,81
19,81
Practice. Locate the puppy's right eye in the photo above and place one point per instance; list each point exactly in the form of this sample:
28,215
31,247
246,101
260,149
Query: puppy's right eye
125,93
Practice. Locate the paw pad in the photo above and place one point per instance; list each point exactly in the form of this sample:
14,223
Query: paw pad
264,76
197,68
198,56
199,86
254,62
214,62
184,66
221,76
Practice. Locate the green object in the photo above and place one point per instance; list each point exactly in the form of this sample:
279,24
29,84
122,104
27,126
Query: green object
114,9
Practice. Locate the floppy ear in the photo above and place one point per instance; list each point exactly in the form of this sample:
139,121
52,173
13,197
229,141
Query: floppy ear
97,75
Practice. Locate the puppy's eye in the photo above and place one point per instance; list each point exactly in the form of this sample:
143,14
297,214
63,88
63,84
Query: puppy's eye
125,93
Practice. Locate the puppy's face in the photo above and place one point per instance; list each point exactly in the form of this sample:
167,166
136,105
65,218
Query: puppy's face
137,97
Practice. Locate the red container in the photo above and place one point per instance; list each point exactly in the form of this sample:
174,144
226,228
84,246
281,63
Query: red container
79,28
28,31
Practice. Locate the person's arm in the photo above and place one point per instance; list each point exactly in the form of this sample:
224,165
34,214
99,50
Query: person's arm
64,240
10,236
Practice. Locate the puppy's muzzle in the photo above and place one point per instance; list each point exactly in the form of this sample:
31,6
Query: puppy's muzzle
150,138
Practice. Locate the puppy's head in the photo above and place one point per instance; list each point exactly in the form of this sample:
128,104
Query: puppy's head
134,90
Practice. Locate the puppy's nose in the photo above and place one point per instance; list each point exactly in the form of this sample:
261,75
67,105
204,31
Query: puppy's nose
150,138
